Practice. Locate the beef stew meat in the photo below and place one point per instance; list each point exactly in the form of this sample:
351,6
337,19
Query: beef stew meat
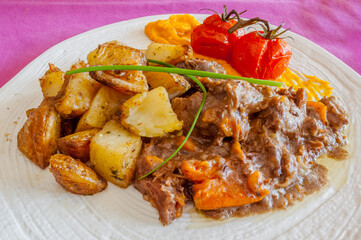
253,149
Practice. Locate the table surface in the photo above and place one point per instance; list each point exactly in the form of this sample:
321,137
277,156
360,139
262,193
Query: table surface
28,28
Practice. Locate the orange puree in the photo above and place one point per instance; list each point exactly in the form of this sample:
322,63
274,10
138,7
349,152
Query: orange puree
175,30
315,87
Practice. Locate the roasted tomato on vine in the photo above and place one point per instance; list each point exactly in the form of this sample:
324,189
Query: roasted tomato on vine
261,54
212,38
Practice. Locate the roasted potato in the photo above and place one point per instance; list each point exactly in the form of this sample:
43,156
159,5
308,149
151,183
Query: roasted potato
172,54
77,145
150,114
113,53
106,103
113,153
68,126
75,176
37,138
175,84
52,81
77,93
30,111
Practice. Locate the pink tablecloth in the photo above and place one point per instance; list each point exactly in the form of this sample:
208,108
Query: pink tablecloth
28,28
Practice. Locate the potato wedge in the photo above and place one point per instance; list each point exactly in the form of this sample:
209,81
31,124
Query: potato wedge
175,84
77,93
30,111
106,103
68,126
52,81
150,114
77,145
172,54
37,137
75,176
113,153
113,53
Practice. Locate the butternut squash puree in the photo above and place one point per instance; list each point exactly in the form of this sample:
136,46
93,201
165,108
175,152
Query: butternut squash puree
315,87
176,29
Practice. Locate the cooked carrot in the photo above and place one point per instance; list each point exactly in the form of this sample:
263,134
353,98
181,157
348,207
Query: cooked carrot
217,193
320,108
211,191
189,145
237,150
231,127
255,185
153,161
198,171
226,127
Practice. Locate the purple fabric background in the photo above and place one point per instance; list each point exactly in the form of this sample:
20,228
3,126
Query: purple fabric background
28,28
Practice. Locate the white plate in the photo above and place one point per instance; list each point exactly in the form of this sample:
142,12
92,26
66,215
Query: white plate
34,206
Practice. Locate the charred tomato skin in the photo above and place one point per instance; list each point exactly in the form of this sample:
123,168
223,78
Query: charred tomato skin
212,38
257,57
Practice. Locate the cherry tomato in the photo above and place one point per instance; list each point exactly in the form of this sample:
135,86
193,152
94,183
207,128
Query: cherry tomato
258,57
212,38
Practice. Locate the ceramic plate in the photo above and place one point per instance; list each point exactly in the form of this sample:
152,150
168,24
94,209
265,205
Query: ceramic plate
34,206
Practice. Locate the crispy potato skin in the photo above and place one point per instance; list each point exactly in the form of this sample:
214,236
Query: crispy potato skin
52,81
77,145
37,137
75,176
113,53
29,111
68,126
169,53
175,84
77,93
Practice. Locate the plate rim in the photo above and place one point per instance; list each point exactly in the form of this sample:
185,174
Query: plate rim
9,83
5,87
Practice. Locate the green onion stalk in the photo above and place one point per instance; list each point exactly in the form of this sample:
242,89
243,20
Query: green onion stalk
187,72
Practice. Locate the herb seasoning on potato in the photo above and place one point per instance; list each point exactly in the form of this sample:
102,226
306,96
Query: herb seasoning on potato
230,145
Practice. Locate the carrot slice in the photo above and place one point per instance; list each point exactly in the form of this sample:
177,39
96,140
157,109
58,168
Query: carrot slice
211,191
237,150
198,171
153,161
320,108
255,185
189,145
217,193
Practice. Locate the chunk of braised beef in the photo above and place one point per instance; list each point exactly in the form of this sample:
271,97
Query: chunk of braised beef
202,65
277,134
166,195
336,113
225,113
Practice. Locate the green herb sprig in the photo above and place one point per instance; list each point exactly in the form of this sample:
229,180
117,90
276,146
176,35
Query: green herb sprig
194,121
177,71
187,72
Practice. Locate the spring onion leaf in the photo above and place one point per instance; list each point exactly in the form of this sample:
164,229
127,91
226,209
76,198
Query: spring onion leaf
175,70
194,121
187,72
